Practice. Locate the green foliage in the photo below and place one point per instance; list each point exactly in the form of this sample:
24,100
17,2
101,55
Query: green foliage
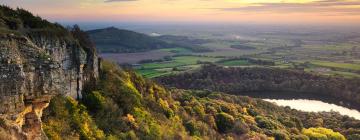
125,106
300,137
2,122
322,134
65,116
192,127
94,101
235,80
115,84
280,135
165,107
263,122
224,122
354,137
22,19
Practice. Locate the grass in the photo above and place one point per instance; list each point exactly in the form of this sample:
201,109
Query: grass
345,74
151,73
182,63
348,66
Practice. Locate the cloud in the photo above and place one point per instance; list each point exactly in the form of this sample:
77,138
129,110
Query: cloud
340,6
118,0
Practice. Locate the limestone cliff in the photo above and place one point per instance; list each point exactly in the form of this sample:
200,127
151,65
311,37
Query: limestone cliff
36,64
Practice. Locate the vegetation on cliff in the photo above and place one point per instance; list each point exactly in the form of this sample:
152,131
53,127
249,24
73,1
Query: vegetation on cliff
124,105
21,21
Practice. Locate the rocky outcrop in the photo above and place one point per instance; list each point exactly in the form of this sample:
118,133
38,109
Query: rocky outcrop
34,68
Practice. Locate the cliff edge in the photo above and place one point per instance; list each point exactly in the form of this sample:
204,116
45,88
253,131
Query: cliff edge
38,60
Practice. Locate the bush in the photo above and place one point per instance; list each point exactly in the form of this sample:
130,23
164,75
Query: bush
322,134
265,123
224,122
300,137
241,128
280,135
354,137
192,127
72,117
94,101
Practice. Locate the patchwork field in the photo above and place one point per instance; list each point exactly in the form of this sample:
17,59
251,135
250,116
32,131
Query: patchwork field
326,54
177,64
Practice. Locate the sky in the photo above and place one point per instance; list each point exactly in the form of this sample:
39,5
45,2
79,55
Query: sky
337,12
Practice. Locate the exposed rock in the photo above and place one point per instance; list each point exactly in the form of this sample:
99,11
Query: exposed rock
32,70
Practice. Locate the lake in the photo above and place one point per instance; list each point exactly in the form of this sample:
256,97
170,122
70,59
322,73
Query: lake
309,102
315,106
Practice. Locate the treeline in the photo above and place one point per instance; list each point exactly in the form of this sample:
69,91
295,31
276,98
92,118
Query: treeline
238,80
243,47
250,60
164,59
123,105
20,21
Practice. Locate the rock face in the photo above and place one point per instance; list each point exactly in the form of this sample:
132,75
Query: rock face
34,68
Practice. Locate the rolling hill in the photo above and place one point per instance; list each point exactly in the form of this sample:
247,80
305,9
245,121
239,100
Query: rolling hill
114,40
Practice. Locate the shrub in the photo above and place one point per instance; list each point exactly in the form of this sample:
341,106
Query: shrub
94,101
322,134
192,127
72,117
300,137
224,122
280,135
241,128
265,123
354,137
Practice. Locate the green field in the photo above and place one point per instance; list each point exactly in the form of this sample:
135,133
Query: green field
178,64
338,65
283,49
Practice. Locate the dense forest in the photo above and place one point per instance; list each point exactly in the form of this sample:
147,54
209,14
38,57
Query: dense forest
260,79
123,105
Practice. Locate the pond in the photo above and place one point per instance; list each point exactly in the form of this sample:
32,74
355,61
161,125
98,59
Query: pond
315,106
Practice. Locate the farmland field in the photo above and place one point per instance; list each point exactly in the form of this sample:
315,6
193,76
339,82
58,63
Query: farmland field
339,65
177,64
328,53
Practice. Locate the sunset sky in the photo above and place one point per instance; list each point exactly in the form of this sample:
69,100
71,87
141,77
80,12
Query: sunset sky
222,11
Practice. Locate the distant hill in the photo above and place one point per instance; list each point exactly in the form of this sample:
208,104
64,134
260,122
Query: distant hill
124,41
114,40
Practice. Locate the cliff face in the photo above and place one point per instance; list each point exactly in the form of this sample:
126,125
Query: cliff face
34,68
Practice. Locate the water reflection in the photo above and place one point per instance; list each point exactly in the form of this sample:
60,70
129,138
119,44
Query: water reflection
315,106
